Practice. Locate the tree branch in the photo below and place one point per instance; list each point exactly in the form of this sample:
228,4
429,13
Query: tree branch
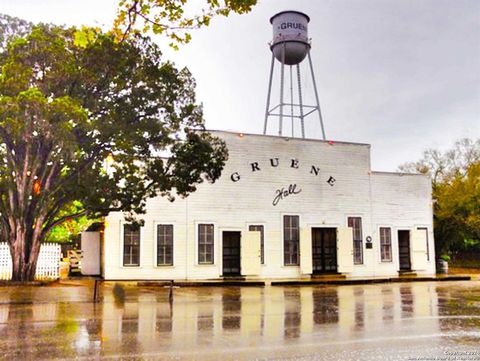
131,21
49,226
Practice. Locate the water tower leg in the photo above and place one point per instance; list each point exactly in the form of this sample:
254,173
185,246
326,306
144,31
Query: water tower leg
300,101
282,79
316,95
267,110
291,101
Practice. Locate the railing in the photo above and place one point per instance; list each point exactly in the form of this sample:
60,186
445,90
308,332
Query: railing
75,256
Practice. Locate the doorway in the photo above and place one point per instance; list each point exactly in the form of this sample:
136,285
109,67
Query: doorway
324,250
231,253
404,250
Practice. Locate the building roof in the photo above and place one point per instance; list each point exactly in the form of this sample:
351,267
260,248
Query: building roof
289,138
317,141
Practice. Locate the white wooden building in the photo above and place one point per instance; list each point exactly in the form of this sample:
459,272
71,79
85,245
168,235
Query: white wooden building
283,208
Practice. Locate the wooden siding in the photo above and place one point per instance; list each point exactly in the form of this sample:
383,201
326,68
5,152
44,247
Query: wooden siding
381,199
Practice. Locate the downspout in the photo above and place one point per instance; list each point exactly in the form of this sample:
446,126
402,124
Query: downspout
186,238
372,229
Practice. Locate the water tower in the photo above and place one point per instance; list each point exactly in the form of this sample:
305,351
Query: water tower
290,46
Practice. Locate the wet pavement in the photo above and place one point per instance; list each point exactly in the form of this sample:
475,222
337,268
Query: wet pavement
400,321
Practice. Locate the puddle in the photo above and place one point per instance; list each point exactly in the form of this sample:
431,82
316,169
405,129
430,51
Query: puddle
377,322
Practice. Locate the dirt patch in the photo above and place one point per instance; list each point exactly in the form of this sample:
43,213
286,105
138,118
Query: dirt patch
31,283
459,270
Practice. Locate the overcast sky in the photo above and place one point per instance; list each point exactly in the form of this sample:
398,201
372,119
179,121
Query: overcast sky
401,75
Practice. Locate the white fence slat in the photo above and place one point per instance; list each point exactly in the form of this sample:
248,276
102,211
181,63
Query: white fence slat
47,266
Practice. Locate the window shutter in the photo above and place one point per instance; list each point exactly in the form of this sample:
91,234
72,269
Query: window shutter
250,253
345,250
419,249
306,251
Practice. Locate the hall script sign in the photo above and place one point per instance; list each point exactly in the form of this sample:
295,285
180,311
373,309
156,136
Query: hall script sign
291,189
285,192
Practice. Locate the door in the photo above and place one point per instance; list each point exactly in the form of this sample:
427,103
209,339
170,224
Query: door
90,253
231,253
324,250
404,250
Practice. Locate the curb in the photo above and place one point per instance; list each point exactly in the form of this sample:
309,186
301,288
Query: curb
370,281
202,284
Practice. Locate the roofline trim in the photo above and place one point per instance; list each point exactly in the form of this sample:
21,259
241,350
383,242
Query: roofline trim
287,138
399,173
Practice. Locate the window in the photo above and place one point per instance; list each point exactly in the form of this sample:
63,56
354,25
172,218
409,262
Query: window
291,239
205,243
386,244
356,224
426,240
259,229
164,245
131,245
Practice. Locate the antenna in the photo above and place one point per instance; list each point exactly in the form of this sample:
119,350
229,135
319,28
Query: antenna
290,46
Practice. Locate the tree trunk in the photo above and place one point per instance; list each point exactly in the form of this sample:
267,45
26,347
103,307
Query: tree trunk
24,258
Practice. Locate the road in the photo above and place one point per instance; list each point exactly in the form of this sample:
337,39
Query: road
401,321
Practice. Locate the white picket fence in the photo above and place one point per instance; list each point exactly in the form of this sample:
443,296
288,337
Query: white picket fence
47,265
5,262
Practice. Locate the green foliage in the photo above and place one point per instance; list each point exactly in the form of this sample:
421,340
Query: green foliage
174,18
472,243
445,257
69,230
456,193
85,36
12,27
457,210
69,100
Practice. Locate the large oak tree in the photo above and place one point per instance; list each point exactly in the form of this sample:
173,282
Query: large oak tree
86,119
173,18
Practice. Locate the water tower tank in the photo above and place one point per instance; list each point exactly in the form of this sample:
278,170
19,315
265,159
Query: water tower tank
290,32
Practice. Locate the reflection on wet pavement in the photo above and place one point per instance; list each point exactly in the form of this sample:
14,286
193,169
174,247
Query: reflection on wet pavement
371,322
